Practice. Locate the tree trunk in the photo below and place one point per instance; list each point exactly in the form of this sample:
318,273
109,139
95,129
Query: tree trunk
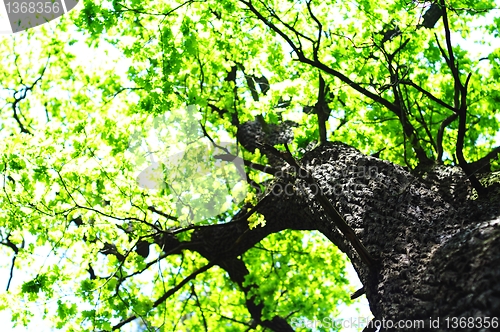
437,249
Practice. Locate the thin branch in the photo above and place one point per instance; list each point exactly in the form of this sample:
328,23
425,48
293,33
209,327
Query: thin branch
271,25
425,126
265,169
407,126
322,110
120,91
15,249
317,44
193,291
428,94
169,293
409,130
460,104
356,86
165,14
161,213
297,34
440,135
485,161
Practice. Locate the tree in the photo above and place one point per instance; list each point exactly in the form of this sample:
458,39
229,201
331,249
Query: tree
364,126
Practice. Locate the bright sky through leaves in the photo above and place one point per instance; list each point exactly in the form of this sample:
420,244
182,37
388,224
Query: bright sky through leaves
85,183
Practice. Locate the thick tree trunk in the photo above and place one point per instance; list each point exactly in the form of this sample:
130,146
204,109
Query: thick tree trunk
437,250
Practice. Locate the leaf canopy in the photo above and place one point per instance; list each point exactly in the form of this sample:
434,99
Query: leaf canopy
82,95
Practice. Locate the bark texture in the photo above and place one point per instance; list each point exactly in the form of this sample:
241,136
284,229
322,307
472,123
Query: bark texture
437,248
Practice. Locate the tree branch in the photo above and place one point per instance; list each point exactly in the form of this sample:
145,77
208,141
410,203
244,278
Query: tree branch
484,162
330,210
428,95
461,104
167,294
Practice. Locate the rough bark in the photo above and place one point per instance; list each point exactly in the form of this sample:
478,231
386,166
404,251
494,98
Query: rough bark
437,248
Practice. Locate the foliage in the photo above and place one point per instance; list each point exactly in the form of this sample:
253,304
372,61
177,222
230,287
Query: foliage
77,92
